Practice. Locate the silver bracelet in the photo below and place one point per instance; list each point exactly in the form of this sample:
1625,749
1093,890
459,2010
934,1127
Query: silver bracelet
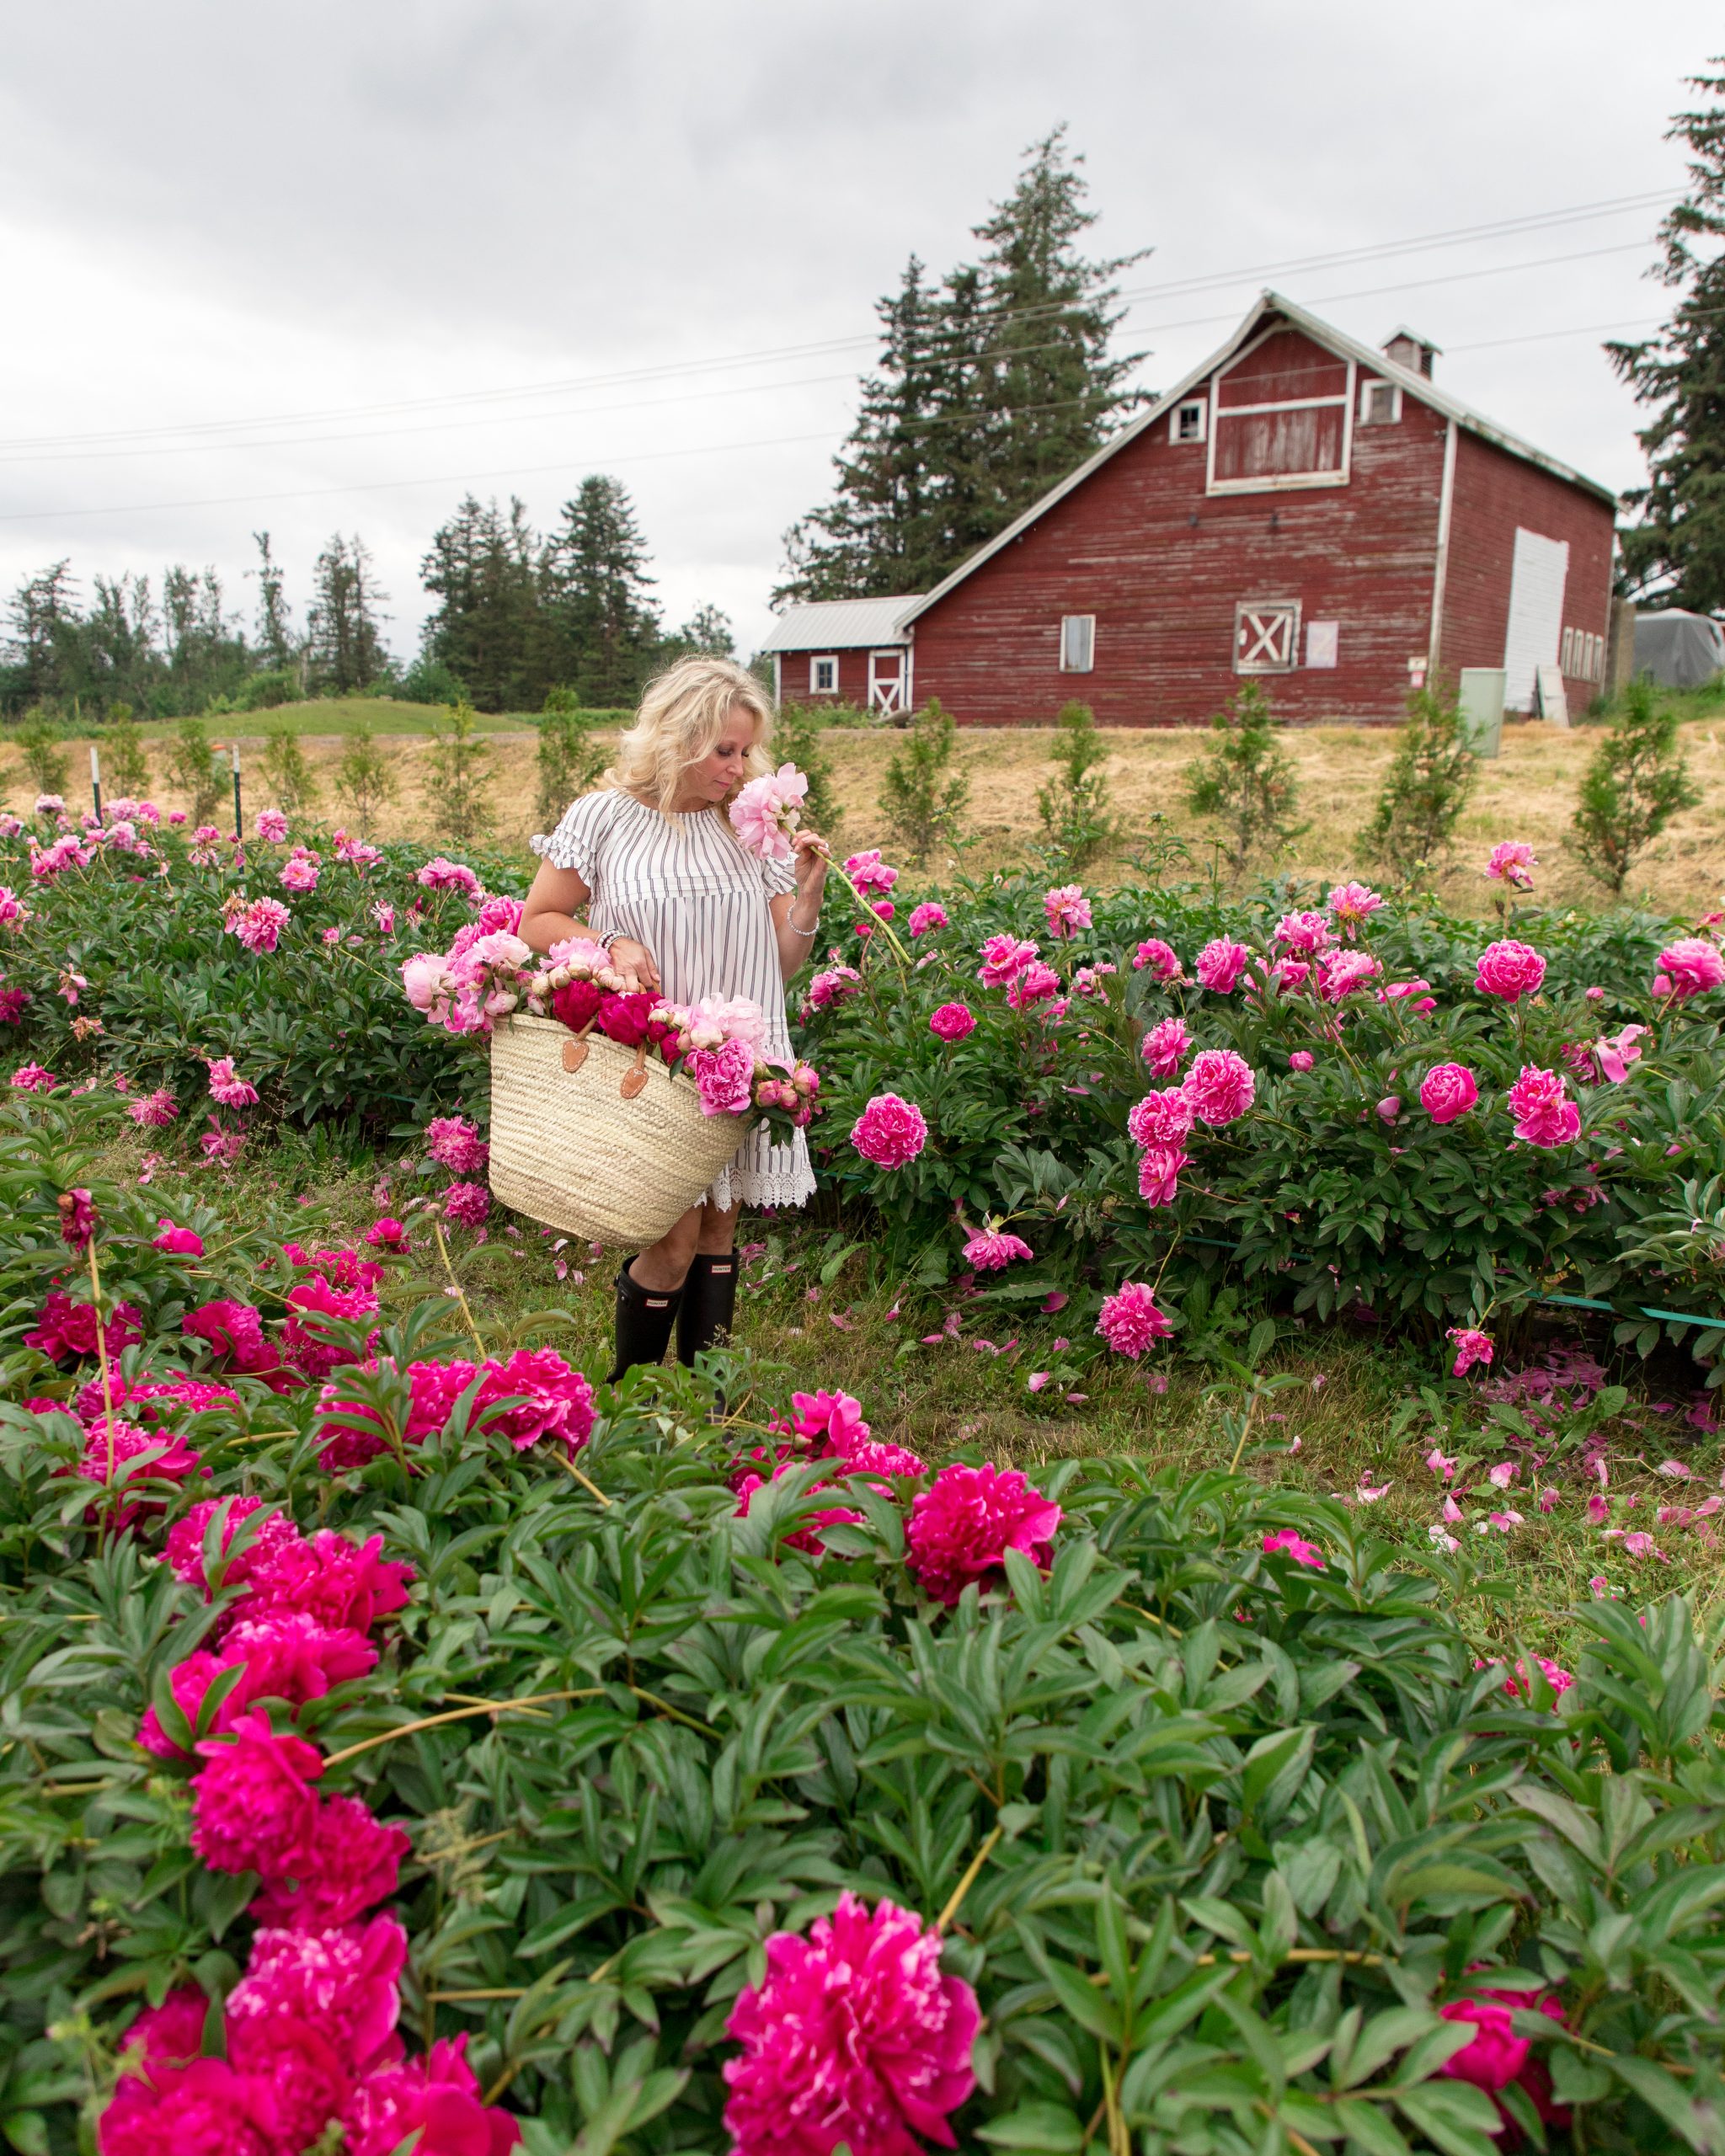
805,932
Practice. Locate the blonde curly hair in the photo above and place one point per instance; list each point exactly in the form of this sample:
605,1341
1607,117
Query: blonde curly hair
681,714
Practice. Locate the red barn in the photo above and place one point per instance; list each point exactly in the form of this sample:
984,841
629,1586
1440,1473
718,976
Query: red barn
843,651
1300,508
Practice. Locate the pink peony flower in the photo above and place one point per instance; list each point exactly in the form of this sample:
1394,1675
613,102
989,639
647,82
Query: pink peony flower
314,1305
1496,2056
1353,906
468,1204
1036,983
1130,1321
455,1144
78,1218
1447,1091
1220,1086
962,1526
767,810
834,1416
1615,1052
889,1132
952,1021
1165,1047
1690,966
833,986
300,871
1067,908
438,874
1159,1168
1289,1543
862,1454
1220,964
1514,862
1163,1118
1544,1114
178,1242
869,872
201,2109
854,2038
185,1546
1472,1347
155,1111
556,1400
1342,974
225,1085
724,1077
926,918
987,1250
338,1582
1300,1059
253,1806
1308,933
343,1982
387,1234
1517,1680
1509,970
1160,960
65,1328
258,925
32,1078
434,2098
1004,957
349,1862
272,826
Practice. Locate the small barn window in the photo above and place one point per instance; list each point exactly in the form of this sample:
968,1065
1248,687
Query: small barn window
1379,403
1077,642
1567,656
1188,421
824,677
1266,635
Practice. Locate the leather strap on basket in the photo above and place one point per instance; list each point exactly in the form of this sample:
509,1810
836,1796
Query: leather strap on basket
635,1077
574,1051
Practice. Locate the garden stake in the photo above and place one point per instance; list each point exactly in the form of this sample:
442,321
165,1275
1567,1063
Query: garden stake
460,1296
964,1884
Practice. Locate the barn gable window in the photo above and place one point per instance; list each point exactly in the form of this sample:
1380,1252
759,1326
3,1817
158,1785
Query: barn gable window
1189,420
1281,416
1266,636
1379,403
1077,642
824,675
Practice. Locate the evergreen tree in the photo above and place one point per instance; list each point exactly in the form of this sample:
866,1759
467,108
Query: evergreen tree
276,649
486,627
1430,778
206,655
708,629
602,621
989,389
118,659
1246,786
1675,549
44,618
344,648
1635,783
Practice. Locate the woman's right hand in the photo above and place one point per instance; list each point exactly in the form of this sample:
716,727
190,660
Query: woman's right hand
634,962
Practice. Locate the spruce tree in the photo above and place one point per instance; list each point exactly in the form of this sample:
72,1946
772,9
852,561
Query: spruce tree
602,621
344,635
486,627
275,648
1676,549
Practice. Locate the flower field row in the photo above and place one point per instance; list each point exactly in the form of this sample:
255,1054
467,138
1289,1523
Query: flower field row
398,1736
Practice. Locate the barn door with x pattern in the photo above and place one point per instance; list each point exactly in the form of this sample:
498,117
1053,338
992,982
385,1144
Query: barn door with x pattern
1266,635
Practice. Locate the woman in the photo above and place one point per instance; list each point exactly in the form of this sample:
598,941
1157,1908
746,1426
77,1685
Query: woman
649,866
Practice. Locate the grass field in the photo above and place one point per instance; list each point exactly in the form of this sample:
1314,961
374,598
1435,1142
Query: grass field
1528,793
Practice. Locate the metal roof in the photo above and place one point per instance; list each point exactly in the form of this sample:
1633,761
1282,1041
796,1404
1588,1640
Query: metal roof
842,624
1336,340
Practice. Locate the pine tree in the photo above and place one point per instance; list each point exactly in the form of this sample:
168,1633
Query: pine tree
1675,552
920,796
276,649
344,646
1634,785
486,628
1246,786
44,618
602,621
207,658
120,661
1429,780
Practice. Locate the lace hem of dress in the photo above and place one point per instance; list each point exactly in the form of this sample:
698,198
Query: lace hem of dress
735,1185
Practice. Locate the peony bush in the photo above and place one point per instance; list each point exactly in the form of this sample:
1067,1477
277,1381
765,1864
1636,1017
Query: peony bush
404,1736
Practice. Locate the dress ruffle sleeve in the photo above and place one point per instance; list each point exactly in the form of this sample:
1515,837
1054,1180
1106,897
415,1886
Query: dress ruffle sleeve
576,841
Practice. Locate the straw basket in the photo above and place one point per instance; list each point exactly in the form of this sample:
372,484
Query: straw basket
615,1150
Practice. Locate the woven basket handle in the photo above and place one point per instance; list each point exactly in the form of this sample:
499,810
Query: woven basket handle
574,1049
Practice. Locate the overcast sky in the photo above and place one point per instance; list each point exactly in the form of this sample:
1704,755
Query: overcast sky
379,254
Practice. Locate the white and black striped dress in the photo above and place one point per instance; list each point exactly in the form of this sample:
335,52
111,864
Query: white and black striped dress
686,888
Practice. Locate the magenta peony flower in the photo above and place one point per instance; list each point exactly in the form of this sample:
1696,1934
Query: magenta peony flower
1290,1545
926,918
434,2097
179,1243
1036,983
962,1526
1163,1118
857,1453
952,1021
1509,970
1130,1321
258,925
1165,1047
1496,2056
767,810
185,1546
807,1536
1220,1086
112,1446
1447,1091
869,872
78,1218
437,875
1353,906
337,1581
1514,862
1308,933
1220,964
455,1144
467,1204
226,1086
557,1401
988,1250
171,2034
1160,958
387,1234
65,1328
1300,1059
1344,973
1690,966
252,1805
1067,908
1518,1680
348,1863
1472,1347
304,2068
854,2036
1159,1173
288,1655
1544,1114
343,1982
889,1132
155,1111
314,1304
1004,957
32,1078
189,1680
201,2109
724,1077
835,1416
272,826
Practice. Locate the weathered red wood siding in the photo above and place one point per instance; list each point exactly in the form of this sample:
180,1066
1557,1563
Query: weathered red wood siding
853,675
1495,492
1161,565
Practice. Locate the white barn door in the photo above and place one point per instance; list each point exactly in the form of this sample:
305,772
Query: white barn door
1536,582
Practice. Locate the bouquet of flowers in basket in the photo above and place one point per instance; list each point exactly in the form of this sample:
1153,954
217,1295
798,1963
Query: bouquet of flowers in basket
715,1044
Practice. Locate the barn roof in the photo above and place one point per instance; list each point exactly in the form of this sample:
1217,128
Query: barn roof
1338,341
842,624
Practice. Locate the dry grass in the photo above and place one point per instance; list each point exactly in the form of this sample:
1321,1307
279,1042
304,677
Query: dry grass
1529,792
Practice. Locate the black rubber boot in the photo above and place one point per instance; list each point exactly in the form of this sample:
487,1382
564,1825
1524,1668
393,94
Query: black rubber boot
644,1318
709,1304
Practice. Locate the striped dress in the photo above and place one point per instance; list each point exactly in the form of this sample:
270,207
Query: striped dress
684,887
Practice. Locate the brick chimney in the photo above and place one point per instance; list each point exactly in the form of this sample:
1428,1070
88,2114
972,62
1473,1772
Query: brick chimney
1411,350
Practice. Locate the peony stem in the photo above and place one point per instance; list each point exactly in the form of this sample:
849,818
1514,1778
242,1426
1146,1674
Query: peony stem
456,1714
869,913
965,1884
460,1295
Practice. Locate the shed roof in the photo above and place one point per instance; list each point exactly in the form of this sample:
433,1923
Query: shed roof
842,624
1266,304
